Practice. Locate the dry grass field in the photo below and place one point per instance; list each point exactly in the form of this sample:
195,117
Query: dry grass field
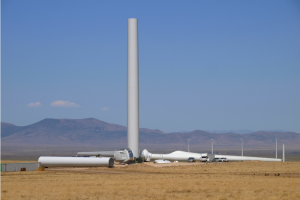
236,180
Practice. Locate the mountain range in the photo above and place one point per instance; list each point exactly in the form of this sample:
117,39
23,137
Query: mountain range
90,131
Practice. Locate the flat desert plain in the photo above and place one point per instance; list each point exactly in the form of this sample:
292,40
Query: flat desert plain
233,180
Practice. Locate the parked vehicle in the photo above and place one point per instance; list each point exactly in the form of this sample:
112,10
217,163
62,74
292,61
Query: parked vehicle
204,159
223,160
215,160
191,159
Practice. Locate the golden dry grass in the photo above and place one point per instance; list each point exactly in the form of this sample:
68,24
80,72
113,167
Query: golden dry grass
237,180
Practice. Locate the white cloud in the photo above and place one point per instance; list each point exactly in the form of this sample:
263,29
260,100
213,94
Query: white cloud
61,103
105,108
34,105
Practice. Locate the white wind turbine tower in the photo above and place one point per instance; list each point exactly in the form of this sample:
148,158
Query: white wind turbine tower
189,143
243,144
133,86
212,146
276,148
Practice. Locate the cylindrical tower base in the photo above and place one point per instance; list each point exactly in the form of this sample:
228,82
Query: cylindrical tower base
133,87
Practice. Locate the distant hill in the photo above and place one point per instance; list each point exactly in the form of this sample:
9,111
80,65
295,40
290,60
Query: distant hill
90,131
8,129
68,132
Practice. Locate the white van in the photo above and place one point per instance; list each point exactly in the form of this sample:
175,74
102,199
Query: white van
204,159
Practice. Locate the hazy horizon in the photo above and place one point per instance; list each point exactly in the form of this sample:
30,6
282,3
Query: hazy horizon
243,131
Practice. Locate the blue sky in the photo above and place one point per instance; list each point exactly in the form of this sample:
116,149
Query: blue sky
209,65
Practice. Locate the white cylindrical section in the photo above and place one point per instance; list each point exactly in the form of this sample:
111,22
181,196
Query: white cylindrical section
51,161
183,156
133,87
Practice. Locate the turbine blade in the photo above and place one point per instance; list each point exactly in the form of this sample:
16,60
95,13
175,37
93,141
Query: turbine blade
214,142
